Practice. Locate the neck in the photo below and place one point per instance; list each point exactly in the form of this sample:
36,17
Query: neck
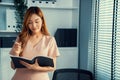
37,35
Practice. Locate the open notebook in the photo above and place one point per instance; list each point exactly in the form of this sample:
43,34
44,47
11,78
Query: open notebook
42,61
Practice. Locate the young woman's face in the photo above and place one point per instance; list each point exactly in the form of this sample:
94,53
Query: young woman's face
35,23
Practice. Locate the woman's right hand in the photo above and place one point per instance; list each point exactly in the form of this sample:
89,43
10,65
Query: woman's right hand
17,48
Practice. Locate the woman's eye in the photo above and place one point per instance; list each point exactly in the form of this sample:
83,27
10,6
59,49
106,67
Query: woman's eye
37,21
30,23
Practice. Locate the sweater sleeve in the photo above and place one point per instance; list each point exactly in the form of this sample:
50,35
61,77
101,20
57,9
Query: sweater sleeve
53,49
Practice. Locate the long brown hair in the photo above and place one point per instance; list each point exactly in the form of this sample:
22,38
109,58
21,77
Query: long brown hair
26,32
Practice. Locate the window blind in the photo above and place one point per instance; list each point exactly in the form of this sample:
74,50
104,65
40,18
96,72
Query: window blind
104,39
116,65
107,40
103,45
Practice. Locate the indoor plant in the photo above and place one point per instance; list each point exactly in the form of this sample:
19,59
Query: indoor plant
20,8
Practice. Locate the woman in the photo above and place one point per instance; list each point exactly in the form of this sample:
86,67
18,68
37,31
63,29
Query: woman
34,40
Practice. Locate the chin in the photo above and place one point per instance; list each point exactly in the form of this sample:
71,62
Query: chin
35,32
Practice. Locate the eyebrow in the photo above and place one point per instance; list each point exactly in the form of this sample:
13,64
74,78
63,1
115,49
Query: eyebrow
35,19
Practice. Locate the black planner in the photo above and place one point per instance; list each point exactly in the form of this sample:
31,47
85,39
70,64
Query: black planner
42,61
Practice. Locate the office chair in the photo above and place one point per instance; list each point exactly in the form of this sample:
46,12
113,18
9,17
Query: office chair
72,74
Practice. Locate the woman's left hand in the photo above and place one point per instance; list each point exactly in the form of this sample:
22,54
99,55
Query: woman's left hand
34,66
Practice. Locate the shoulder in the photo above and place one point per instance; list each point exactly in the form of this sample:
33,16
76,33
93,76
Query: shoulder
49,38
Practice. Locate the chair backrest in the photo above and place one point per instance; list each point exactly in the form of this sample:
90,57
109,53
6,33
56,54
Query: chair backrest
72,74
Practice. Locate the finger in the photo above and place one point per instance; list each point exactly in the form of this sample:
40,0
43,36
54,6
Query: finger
29,66
36,61
17,44
24,63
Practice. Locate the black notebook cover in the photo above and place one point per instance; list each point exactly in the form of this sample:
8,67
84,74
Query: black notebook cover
42,61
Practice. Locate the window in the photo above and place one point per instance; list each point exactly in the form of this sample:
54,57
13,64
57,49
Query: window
106,42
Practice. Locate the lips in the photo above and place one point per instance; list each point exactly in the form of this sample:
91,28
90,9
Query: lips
34,29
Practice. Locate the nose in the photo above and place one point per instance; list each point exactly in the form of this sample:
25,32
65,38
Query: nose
33,25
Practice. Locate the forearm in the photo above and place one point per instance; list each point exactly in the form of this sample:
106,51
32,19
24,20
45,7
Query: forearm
43,69
36,66
13,52
46,68
16,49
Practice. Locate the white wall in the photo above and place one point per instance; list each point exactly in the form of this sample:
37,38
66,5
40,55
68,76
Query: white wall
5,68
57,19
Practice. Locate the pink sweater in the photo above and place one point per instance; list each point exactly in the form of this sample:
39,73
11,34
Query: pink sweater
45,47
